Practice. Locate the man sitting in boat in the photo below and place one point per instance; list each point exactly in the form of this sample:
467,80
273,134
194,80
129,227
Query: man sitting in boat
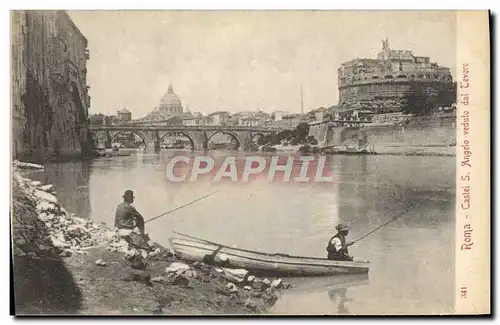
127,218
337,246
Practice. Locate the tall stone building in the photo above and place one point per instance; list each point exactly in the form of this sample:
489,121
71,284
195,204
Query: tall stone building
396,80
50,98
124,115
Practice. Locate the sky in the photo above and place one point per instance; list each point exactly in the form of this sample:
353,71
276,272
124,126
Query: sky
244,60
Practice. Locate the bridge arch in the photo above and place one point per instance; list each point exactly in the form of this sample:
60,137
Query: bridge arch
231,134
191,140
138,133
256,136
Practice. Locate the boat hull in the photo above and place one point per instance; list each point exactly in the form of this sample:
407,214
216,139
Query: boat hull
263,263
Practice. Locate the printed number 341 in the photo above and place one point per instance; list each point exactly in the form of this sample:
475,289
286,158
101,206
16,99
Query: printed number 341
463,292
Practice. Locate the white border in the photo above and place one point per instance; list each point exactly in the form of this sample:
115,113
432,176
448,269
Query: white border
255,4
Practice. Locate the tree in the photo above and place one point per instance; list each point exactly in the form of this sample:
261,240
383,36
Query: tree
299,135
420,101
96,119
301,132
311,140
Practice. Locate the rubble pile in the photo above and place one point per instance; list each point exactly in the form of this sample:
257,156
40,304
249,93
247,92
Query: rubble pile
237,284
68,233
29,235
24,165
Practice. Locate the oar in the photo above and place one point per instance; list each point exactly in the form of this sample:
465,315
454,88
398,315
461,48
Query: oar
182,206
199,239
208,258
221,245
385,223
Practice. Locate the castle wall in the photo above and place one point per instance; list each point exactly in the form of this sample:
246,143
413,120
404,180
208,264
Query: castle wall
394,96
412,135
433,134
372,91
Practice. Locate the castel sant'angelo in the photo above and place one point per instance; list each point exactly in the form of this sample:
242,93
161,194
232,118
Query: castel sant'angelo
395,81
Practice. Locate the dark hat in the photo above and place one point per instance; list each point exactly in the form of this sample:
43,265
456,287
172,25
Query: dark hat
128,193
342,227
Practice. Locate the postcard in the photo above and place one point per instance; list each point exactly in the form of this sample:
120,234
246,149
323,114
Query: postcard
250,162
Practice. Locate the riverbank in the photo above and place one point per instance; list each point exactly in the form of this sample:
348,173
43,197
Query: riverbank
63,264
116,152
395,150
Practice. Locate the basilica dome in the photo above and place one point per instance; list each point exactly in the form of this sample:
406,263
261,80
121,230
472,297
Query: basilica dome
170,103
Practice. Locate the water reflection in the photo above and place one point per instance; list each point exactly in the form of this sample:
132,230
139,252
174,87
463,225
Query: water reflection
71,183
338,295
341,295
325,291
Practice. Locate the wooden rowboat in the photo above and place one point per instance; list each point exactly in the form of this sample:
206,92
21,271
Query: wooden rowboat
195,249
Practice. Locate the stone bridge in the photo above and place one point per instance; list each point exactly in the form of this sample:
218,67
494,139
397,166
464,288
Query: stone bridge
153,135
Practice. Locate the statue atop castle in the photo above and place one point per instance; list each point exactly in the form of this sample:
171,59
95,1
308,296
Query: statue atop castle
385,45
386,50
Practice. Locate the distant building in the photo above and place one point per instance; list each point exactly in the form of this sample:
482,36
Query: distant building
174,120
194,120
278,115
261,115
251,118
232,120
114,120
318,114
219,118
249,121
124,115
289,121
189,121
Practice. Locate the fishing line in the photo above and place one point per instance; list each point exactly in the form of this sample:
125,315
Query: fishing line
182,206
411,206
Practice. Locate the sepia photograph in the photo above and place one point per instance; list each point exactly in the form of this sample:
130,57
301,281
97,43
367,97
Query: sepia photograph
249,162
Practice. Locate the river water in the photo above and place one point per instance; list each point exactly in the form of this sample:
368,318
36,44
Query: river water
412,258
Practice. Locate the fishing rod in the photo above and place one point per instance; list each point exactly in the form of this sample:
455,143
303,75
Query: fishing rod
411,206
182,206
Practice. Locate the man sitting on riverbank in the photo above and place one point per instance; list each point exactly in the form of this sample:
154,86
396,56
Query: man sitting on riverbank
130,223
337,246
127,218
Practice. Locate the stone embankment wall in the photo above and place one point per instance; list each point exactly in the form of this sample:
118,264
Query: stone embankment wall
419,135
420,132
